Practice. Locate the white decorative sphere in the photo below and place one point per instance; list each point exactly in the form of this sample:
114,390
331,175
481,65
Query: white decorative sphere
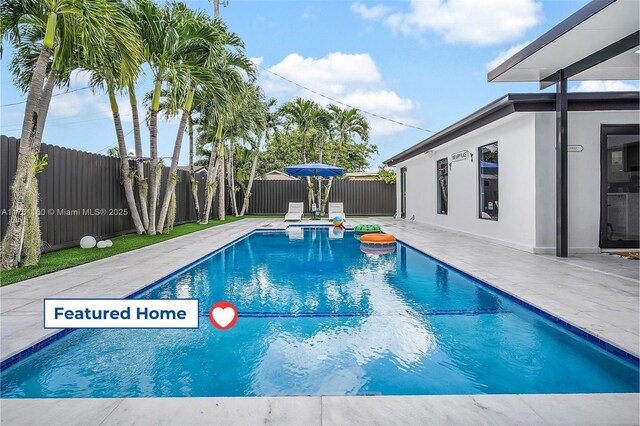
109,243
102,244
87,242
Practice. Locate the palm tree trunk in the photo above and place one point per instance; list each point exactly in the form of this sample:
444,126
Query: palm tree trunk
192,174
304,161
124,162
212,176
319,194
252,176
25,172
231,177
47,92
221,189
143,185
325,199
173,178
153,148
328,189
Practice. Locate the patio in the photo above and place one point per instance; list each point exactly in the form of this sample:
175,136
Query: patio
597,293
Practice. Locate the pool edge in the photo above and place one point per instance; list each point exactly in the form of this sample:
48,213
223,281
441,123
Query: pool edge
575,330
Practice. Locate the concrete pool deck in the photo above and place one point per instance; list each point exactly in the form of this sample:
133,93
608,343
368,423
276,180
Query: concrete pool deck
597,293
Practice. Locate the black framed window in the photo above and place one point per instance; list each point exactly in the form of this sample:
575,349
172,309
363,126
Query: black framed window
443,186
403,192
488,167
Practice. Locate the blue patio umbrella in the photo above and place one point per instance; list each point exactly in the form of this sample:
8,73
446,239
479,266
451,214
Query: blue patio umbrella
316,170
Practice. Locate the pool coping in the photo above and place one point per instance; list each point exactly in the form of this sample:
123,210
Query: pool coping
590,337
535,409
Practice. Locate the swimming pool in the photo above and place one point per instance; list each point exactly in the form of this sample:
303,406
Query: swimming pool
320,317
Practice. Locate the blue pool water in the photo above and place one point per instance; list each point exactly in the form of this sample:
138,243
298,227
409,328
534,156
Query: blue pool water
319,317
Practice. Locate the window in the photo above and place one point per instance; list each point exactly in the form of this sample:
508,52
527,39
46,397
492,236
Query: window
443,186
488,169
403,192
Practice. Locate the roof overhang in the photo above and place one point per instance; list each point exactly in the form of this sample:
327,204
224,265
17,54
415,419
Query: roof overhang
538,102
598,42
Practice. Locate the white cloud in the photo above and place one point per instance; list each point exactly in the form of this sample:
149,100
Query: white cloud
86,105
374,12
79,79
506,54
461,21
258,61
124,107
350,78
72,104
605,86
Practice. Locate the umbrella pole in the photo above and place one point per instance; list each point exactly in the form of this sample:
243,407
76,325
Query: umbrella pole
319,197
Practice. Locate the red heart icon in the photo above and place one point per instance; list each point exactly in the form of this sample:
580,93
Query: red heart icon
223,315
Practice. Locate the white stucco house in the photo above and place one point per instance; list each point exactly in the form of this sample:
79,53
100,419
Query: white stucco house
493,173
547,172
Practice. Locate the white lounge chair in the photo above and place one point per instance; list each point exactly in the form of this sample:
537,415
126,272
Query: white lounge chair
336,209
296,212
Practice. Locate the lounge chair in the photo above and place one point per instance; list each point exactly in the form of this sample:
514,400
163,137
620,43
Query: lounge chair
296,212
336,209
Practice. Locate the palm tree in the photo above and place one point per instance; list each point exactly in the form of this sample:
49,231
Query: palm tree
347,123
270,121
50,39
215,116
221,202
104,65
142,182
192,173
199,46
157,30
246,122
302,114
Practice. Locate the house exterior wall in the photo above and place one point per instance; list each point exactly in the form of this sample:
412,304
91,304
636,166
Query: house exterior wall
526,179
584,178
516,177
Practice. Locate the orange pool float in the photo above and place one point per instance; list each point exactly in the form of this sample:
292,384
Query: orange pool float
375,239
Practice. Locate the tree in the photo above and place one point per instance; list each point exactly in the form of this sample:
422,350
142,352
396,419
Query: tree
114,151
158,33
347,123
386,175
107,72
199,45
48,38
268,124
303,115
245,125
221,206
215,116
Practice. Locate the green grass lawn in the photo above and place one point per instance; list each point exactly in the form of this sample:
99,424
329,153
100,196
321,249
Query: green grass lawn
67,258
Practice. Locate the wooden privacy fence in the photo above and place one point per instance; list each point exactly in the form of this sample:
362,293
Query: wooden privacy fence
81,194
370,197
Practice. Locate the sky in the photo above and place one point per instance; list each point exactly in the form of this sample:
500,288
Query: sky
423,63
